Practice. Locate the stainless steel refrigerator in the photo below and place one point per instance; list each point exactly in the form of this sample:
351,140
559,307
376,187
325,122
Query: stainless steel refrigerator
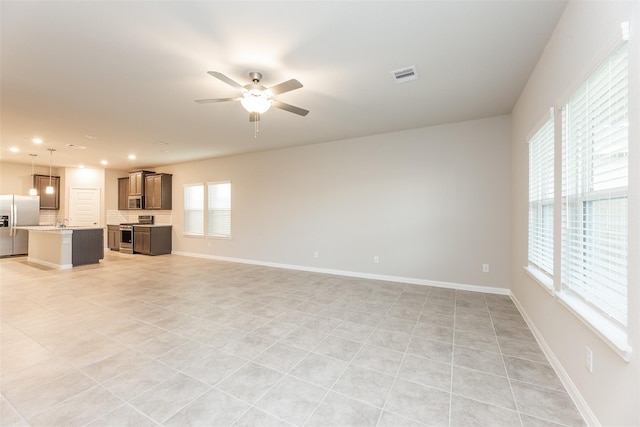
17,211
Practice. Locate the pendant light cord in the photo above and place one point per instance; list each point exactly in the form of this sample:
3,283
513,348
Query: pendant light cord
32,190
51,150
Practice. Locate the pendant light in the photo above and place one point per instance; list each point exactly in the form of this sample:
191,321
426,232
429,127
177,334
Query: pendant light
49,189
33,191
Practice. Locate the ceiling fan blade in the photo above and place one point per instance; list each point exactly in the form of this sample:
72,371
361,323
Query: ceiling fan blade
285,87
207,101
290,108
226,79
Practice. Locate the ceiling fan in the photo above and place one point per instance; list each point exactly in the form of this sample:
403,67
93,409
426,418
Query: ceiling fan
257,99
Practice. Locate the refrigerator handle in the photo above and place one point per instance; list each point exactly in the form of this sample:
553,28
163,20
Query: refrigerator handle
12,223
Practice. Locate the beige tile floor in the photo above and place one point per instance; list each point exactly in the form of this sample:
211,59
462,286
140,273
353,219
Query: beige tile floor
180,341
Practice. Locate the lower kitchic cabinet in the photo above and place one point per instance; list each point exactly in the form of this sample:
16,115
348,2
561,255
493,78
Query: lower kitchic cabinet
87,246
113,237
152,240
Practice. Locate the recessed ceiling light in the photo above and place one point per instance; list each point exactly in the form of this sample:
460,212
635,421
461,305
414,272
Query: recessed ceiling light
132,156
36,140
14,149
103,162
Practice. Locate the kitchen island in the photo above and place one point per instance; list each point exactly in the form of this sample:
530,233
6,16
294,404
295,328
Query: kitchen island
63,248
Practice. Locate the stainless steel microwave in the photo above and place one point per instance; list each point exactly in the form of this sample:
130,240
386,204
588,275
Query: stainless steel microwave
136,202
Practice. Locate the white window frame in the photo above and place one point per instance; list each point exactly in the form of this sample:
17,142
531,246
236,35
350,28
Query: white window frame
219,210
542,202
612,331
587,307
193,217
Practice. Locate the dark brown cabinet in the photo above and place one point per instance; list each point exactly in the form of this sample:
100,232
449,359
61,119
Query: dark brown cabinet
87,246
157,191
136,183
48,201
113,237
152,240
123,194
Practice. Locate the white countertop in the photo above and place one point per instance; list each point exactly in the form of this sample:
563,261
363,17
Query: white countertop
142,225
56,228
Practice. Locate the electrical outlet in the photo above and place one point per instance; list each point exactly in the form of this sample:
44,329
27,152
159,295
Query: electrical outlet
376,259
485,268
589,359
316,254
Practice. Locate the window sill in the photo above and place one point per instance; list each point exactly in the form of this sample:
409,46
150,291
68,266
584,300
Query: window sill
606,329
192,235
540,278
220,237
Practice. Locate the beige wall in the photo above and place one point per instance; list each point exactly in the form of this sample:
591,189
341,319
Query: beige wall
432,204
610,395
111,187
16,178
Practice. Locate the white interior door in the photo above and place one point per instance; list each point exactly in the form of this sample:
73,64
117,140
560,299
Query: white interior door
84,207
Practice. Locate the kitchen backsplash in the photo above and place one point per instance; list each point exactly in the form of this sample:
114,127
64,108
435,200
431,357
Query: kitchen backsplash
113,217
118,217
48,217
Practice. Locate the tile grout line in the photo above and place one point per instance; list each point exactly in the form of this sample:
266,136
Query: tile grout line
504,365
286,374
404,354
330,389
453,353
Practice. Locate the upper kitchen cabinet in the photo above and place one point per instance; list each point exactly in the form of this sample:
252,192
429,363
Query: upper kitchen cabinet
157,191
123,194
136,183
48,201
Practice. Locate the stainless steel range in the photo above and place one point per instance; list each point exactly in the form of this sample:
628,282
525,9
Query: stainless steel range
126,232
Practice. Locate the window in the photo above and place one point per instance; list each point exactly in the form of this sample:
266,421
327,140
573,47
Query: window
595,142
218,214
194,209
219,209
541,147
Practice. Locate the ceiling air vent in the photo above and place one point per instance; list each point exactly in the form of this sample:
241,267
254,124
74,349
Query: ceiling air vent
405,74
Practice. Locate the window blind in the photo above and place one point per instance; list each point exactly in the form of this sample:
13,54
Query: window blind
595,142
219,212
541,173
194,209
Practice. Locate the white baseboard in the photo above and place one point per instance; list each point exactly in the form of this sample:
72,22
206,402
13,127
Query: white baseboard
50,264
398,279
582,405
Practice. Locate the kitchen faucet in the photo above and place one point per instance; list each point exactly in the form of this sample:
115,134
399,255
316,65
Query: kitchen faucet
61,223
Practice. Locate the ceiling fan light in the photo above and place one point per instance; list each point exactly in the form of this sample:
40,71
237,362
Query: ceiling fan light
255,102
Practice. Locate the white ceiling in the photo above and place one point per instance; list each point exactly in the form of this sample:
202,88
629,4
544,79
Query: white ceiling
128,72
